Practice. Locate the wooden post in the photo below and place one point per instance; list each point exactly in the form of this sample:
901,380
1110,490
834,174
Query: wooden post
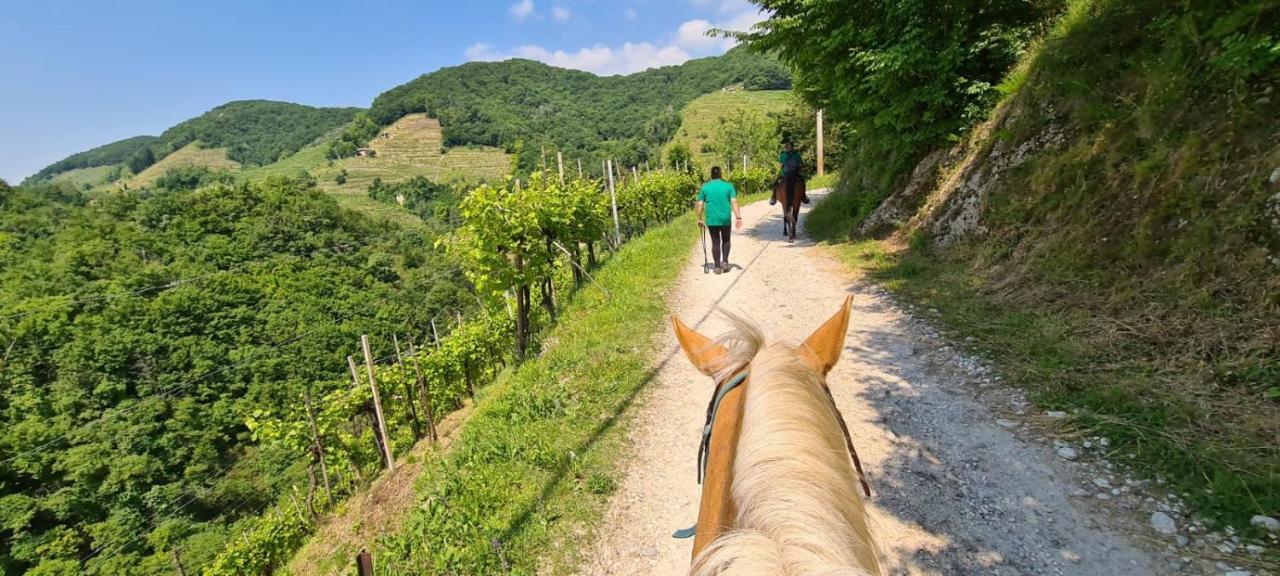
579,168
377,403
613,198
560,165
635,174
355,374
434,334
177,563
423,390
355,426
364,563
646,166
408,391
821,153
315,437
744,162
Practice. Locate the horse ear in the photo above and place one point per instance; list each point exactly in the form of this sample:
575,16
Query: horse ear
703,353
823,347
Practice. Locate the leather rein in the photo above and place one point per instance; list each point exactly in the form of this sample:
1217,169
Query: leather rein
723,389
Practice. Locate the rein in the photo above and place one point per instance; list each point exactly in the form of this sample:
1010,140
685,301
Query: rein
737,380
723,390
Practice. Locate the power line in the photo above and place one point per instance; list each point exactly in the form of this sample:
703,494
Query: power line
138,292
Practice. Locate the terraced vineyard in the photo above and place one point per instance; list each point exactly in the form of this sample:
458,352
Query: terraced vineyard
412,146
701,117
190,155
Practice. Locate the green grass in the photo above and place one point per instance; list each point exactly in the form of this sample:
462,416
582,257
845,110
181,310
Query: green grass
700,119
86,178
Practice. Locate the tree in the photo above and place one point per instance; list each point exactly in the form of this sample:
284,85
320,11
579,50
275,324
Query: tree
141,160
907,75
745,132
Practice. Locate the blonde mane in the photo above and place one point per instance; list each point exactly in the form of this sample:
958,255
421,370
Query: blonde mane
798,511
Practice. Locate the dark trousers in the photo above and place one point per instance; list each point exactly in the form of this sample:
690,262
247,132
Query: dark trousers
720,243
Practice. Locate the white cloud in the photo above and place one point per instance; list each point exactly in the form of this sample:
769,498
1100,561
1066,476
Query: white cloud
689,40
521,10
483,53
600,59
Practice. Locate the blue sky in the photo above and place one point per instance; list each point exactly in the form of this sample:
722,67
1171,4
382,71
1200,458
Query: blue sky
78,74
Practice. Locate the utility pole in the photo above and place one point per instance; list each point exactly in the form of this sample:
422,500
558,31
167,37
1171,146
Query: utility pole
821,159
377,403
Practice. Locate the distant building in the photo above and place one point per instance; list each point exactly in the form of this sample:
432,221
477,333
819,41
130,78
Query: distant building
366,152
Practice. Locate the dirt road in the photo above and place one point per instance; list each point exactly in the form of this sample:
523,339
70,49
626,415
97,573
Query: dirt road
962,484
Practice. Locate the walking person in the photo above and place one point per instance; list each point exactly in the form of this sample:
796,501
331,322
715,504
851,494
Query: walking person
719,202
791,167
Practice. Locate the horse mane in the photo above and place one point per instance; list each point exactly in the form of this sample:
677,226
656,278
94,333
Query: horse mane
798,510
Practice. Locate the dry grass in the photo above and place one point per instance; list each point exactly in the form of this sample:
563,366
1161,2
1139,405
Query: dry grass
362,518
190,155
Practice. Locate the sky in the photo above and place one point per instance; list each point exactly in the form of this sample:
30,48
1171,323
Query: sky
75,74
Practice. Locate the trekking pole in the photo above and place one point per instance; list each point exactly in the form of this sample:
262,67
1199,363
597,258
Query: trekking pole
702,231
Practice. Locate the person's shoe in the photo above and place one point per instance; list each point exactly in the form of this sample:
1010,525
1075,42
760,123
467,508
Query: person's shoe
719,270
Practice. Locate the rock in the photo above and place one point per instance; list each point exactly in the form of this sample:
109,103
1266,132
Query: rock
1103,442
1068,453
1237,573
1226,548
1267,522
1181,540
1055,414
1163,523
1102,496
1275,176
1006,423
1254,550
1101,482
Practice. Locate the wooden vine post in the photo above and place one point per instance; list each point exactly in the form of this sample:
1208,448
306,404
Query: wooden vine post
318,443
579,168
377,403
423,390
613,199
355,381
560,165
408,391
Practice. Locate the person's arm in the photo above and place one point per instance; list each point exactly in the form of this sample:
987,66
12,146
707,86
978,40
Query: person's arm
698,211
737,212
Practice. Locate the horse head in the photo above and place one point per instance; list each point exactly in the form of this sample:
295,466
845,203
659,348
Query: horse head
779,491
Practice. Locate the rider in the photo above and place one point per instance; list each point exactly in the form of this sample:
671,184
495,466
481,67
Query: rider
719,200
792,168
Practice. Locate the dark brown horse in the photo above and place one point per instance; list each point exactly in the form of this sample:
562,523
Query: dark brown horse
790,205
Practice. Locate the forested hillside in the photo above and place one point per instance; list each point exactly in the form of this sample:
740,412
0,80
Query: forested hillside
524,106
140,332
253,132
1087,188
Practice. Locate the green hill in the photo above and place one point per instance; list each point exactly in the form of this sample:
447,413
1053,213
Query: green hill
115,153
524,106
251,132
700,119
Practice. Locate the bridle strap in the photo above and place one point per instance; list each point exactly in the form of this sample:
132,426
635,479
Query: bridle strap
712,408
848,441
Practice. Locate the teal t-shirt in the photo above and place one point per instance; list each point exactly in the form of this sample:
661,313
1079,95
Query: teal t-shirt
716,195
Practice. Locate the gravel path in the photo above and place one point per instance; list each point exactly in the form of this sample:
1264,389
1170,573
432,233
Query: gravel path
959,487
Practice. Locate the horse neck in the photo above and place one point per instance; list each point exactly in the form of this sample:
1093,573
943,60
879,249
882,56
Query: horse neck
794,504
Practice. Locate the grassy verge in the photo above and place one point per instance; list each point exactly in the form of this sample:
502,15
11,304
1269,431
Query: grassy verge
1085,363
536,462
